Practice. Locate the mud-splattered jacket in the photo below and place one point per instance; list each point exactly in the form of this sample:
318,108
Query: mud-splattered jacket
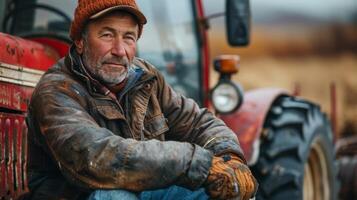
82,137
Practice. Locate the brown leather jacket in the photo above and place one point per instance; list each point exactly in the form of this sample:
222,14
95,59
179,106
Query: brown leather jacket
81,137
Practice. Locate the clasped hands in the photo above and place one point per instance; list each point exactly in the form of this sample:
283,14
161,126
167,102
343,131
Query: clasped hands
230,178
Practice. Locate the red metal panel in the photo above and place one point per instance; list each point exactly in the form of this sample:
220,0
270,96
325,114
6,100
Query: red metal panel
9,156
2,159
60,46
248,121
13,132
16,147
23,157
14,97
26,53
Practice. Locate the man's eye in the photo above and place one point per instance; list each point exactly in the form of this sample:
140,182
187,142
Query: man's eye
130,37
107,35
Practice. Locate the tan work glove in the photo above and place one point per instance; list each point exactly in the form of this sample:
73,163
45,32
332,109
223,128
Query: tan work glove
230,178
248,185
221,182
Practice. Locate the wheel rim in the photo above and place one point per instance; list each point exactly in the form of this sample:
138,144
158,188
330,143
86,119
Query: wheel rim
316,179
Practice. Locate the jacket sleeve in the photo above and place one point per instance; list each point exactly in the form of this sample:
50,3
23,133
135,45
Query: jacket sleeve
189,123
94,158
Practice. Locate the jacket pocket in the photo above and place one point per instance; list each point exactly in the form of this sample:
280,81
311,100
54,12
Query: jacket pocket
155,126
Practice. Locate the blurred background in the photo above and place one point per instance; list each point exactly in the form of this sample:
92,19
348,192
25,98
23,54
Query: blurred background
303,45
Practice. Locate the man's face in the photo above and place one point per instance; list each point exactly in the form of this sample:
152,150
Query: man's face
108,47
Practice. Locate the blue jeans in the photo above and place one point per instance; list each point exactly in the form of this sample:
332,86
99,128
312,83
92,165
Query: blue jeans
171,193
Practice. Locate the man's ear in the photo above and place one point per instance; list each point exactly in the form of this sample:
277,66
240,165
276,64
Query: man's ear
79,45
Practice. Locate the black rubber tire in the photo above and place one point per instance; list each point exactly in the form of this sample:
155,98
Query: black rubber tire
290,129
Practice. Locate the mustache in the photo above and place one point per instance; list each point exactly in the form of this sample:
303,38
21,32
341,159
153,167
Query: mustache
117,61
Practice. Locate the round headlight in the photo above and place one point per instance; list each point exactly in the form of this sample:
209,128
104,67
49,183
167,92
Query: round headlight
227,97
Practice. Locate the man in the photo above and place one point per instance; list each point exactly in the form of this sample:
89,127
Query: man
104,124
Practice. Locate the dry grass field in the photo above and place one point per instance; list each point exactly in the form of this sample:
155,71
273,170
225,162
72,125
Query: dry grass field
311,58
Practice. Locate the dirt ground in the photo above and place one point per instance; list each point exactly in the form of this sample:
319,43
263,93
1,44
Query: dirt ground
313,75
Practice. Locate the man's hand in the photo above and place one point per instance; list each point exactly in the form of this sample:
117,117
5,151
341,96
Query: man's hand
229,178
221,182
248,185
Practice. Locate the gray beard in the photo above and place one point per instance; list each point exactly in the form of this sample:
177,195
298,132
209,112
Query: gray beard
96,74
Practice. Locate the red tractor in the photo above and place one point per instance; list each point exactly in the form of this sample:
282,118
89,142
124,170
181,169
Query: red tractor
287,141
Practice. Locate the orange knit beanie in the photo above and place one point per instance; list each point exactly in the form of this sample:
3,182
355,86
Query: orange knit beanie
88,9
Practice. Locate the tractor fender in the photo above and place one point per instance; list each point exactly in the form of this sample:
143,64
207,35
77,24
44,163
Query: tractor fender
19,52
247,122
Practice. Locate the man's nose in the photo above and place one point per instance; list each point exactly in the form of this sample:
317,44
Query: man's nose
118,48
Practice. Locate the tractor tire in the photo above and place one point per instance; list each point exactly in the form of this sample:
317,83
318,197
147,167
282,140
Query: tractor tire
297,158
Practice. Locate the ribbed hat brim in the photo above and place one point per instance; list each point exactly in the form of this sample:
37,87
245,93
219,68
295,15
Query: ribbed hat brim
139,15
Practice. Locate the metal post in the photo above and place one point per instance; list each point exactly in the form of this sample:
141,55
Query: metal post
297,89
333,114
